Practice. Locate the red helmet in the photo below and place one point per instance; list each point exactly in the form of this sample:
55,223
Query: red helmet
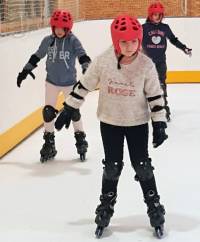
125,28
61,19
156,8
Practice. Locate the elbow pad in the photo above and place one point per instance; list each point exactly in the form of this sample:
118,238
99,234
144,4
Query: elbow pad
34,60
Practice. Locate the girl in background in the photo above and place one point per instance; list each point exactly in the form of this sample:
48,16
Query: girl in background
62,48
154,44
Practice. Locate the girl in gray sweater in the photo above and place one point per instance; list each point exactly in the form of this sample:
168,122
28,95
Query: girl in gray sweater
62,48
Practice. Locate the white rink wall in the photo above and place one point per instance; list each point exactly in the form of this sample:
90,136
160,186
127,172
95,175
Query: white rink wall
17,103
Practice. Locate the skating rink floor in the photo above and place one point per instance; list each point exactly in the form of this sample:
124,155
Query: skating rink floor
56,201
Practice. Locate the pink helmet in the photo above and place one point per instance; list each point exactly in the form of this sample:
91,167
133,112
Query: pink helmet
125,28
61,19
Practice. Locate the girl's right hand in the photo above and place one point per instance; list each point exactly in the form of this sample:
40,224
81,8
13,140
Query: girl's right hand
22,76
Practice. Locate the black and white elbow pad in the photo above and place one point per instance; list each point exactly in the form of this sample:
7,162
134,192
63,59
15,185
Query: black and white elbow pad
155,108
78,86
34,60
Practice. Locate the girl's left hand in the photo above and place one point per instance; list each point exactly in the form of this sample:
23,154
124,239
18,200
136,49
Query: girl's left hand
188,51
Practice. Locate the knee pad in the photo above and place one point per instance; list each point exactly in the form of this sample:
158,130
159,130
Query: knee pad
144,170
112,170
49,113
76,116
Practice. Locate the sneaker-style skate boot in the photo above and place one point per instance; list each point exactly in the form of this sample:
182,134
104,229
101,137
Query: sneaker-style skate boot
48,150
156,214
81,144
104,212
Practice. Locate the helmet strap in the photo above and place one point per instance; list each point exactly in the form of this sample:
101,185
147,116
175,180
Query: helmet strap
121,57
118,61
66,31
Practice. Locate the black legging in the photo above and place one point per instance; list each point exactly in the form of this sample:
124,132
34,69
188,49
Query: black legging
113,142
162,75
161,68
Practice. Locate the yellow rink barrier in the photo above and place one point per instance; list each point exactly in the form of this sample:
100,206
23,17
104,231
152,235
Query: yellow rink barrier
13,136
183,77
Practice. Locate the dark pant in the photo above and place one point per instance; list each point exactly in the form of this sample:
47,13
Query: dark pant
162,71
162,75
113,142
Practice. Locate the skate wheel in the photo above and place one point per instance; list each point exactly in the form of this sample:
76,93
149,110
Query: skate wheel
47,158
82,157
43,160
159,231
99,231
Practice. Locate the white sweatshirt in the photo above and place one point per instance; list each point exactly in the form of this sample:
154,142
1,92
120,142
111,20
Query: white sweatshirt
123,92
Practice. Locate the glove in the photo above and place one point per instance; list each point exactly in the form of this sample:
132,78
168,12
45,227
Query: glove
67,114
84,67
188,51
159,135
84,61
22,76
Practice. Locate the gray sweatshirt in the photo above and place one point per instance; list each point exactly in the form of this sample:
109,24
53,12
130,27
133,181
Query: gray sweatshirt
125,95
61,57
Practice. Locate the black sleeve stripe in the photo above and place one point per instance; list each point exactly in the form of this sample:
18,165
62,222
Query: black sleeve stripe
151,99
157,108
73,94
79,85
34,60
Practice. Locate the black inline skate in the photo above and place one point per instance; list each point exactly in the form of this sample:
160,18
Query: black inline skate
156,214
48,150
104,212
81,144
